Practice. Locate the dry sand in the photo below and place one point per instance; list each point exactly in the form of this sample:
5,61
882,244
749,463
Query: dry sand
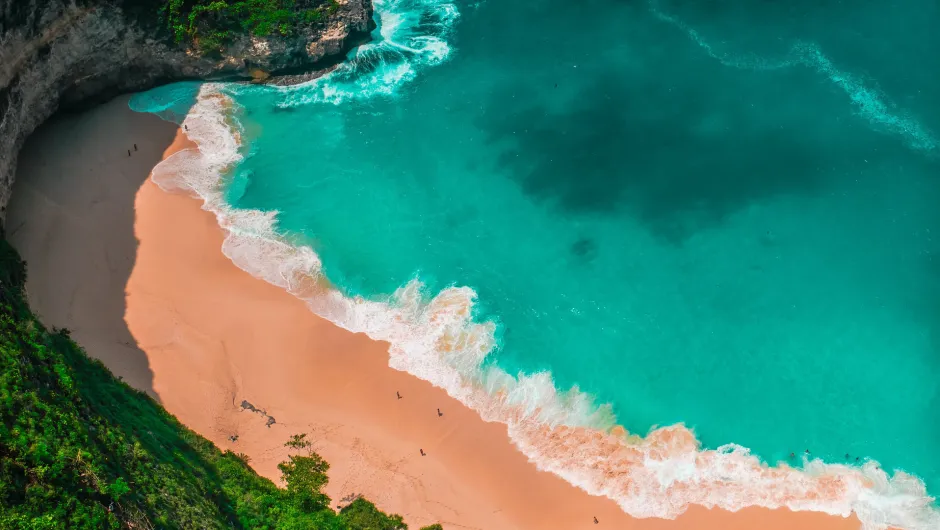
138,276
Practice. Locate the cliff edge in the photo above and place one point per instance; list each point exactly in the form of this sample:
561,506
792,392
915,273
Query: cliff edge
70,52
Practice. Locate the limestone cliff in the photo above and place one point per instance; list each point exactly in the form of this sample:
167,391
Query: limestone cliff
68,52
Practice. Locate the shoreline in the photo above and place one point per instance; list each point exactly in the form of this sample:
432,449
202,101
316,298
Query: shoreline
212,336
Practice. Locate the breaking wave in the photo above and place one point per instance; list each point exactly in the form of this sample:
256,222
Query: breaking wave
435,337
409,35
870,103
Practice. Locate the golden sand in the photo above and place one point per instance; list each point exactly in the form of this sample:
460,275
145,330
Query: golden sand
137,274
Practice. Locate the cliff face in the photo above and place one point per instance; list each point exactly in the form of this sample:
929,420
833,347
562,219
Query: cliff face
68,52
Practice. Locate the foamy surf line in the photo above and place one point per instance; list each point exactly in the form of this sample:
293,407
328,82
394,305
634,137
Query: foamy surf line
869,102
434,337
408,34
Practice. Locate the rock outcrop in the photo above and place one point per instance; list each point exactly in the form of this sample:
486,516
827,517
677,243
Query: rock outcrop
72,52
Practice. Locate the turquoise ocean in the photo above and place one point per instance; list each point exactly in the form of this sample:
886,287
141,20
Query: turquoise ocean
719,218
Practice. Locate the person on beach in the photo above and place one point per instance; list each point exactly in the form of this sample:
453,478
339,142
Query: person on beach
135,147
422,451
397,394
439,413
596,521
128,152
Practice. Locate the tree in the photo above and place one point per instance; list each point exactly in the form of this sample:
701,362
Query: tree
363,515
305,476
298,441
81,450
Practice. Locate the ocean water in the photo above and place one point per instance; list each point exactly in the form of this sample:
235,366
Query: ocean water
585,218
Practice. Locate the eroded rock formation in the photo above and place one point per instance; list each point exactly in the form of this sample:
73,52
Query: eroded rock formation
71,52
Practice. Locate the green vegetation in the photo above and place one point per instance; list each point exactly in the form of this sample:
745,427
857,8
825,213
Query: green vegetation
81,450
363,515
211,24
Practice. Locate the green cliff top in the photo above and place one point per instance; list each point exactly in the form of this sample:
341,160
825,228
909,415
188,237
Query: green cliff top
82,450
210,24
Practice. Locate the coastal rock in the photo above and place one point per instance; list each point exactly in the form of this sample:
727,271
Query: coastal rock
67,53
330,43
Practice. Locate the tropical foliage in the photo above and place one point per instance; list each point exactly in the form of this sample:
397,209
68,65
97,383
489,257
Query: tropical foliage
210,24
81,450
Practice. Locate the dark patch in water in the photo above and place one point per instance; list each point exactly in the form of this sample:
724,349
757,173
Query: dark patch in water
584,249
768,238
680,160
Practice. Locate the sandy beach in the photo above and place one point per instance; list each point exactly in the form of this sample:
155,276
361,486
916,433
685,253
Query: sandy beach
138,276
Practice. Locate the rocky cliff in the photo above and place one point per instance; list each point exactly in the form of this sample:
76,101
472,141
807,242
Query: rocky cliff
71,52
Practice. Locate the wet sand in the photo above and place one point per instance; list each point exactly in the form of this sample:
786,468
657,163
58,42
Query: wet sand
137,274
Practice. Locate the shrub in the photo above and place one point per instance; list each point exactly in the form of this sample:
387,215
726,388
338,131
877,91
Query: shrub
81,450
363,515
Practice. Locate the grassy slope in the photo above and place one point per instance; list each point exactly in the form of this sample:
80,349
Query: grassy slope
80,449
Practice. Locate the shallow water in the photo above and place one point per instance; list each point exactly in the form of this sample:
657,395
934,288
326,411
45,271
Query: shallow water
720,214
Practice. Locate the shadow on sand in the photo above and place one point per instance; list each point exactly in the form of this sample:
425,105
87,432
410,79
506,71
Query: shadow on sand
71,218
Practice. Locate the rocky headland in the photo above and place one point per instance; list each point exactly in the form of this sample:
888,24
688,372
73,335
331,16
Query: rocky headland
67,53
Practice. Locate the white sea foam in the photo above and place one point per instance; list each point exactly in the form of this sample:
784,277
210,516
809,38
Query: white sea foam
434,337
410,35
870,103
